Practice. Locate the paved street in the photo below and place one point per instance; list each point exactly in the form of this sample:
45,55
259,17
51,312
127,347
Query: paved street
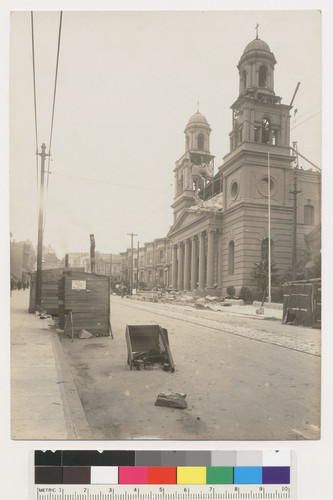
245,378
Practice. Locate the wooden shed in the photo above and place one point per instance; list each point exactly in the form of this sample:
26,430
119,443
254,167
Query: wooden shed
49,289
302,303
84,303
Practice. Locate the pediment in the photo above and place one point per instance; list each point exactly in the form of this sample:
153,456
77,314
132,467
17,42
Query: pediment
187,219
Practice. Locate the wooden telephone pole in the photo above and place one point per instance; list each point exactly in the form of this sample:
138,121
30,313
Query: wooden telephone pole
92,253
295,192
43,155
131,267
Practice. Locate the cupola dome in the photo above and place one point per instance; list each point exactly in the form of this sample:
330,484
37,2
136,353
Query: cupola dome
256,44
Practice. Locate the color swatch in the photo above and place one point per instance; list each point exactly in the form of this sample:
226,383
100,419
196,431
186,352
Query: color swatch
164,467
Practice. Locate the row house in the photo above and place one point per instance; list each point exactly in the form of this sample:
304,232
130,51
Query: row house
149,265
103,263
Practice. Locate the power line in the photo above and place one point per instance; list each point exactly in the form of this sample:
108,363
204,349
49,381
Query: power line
103,181
35,98
312,116
52,118
309,110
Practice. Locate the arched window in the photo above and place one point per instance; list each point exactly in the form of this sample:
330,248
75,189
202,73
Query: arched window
236,135
309,214
180,185
201,142
257,134
263,77
264,250
244,79
231,258
265,130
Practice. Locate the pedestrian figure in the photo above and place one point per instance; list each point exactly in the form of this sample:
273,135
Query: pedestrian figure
24,286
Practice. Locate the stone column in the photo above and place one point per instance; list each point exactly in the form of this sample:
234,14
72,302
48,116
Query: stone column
180,267
202,261
194,267
174,267
219,261
210,259
187,265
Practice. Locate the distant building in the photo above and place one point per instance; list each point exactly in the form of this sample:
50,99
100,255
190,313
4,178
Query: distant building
103,262
22,260
151,264
78,259
109,265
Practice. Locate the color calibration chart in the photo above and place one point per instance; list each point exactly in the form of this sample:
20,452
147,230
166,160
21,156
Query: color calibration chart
163,475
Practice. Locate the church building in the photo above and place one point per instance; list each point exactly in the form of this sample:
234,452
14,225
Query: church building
221,219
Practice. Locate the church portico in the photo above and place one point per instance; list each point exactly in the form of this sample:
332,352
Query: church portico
194,262
197,262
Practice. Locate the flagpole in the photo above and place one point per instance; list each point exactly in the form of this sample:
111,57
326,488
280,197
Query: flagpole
269,232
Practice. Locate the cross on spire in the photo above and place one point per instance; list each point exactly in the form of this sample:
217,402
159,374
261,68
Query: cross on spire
257,26
198,107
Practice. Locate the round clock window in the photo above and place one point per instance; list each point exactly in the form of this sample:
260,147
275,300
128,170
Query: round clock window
234,189
263,186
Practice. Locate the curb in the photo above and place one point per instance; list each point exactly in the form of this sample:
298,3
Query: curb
76,422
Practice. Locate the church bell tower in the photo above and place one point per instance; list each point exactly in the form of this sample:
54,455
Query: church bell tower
260,134
195,168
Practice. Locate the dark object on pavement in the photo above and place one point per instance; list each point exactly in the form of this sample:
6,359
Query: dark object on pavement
302,303
171,400
148,344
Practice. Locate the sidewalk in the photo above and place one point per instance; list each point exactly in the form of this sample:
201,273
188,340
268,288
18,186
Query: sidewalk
44,400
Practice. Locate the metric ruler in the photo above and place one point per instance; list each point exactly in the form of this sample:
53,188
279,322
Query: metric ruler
165,492
165,475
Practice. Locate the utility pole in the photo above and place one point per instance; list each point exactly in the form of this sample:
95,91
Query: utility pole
131,267
92,253
295,192
43,155
137,269
269,297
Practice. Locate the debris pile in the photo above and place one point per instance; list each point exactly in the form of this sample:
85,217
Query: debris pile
214,204
148,348
171,400
151,360
209,303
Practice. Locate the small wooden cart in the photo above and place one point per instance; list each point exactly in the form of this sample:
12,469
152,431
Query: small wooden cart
148,345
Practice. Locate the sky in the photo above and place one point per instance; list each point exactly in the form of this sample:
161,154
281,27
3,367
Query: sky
128,82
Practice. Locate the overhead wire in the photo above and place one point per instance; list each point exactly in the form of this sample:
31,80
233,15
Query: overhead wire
35,100
52,117
103,181
304,121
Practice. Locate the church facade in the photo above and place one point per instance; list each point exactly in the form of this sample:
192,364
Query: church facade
221,220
